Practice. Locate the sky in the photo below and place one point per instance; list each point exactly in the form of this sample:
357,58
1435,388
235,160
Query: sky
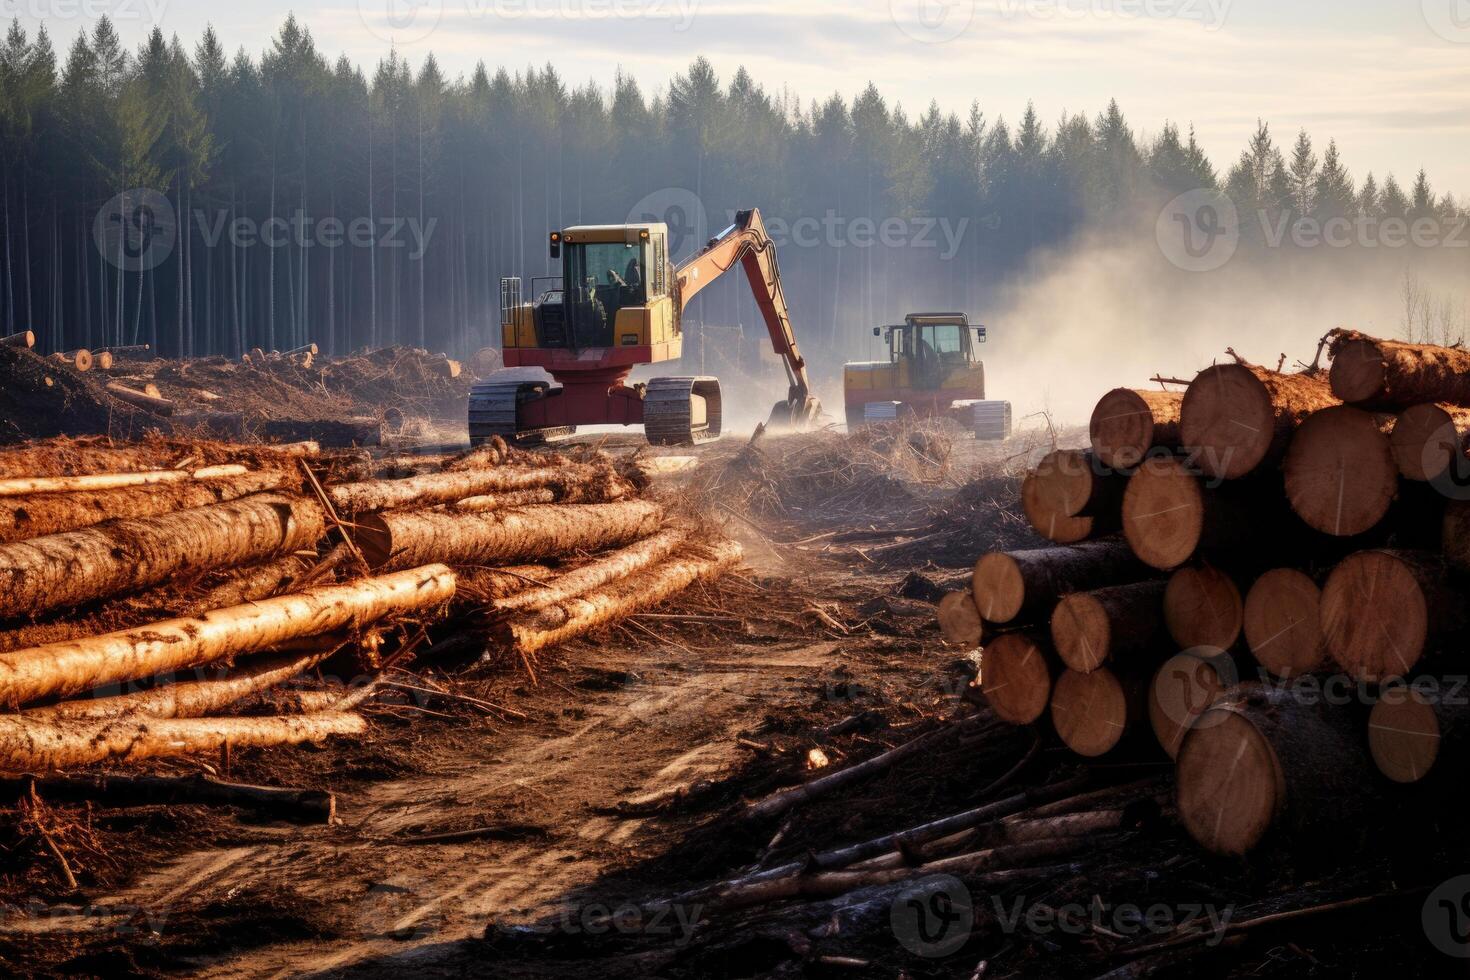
1388,79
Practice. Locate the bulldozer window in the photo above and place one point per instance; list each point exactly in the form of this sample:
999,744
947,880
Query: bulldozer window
600,280
946,340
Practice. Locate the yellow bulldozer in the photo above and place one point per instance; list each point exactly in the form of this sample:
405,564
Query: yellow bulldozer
933,370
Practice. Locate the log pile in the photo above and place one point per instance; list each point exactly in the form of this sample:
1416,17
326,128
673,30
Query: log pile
1281,539
158,610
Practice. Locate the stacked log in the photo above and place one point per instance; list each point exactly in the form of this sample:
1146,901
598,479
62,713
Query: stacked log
1273,548
145,606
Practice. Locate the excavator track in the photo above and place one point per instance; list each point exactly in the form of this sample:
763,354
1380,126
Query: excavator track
682,411
495,410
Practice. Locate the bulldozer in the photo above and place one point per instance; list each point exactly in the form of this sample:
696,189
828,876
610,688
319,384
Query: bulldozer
619,302
933,371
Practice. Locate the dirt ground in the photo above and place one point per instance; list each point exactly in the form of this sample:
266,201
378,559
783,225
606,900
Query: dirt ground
541,831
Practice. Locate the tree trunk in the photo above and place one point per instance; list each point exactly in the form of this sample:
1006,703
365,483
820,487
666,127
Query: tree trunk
154,404
23,339
1120,623
959,620
1184,688
32,745
1389,375
515,498
1260,758
192,699
538,629
68,668
1071,483
1429,439
1093,712
1016,672
1281,623
347,432
1414,727
27,486
62,570
1237,417
1202,608
1341,476
1025,585
81,360
1127,423
22,518
484,586
595,574
115,790
406,539
1382,611
1169,514
1056,526
432,489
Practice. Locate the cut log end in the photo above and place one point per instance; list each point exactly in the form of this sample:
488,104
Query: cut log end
1126,424
1015,678
1090,711
959,620
999,587
1081,632
1050,522
1341,476
1403,735
1227,413
1281,623
1183,689
1374,616
1359,372
1427,439
1230,782
1163,513
1203,608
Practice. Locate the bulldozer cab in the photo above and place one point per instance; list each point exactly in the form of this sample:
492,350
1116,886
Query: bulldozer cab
934,345
605,269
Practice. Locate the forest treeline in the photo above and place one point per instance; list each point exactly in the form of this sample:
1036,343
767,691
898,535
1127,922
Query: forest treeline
313,201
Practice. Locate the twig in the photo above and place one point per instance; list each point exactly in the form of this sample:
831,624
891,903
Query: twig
332,518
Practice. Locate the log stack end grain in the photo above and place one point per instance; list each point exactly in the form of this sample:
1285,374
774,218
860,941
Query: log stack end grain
1128,422
1016,675
1341,476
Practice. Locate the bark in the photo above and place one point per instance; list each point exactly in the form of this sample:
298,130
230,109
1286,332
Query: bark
62,570
486,586
1184,688
25,339
42,745
1072,483
152,403
28,486
1414,728
1203,608
1127,423
556,624
34,516
1016,674
406,539
595,574
1383,611
1120,623
433,489
1341,476
959,620
115,790
1238,417
63,669
1282,624
1390,375
1455,534
1093,712
506,501
192,699
1263,759
215,590
1428,440
1025,585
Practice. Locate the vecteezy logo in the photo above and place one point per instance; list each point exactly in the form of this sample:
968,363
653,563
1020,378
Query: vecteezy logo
1450,19
136,230
933,917
1444,456
932,21
400,21
1446,917
680,209
1199,230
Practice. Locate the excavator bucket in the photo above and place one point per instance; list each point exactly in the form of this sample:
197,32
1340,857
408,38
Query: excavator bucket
795,415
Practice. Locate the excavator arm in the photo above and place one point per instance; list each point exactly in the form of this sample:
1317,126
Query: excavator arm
746,242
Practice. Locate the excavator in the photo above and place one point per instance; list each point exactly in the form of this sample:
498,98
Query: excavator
619,302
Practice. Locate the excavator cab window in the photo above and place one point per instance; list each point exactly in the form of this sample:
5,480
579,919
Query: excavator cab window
600,279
